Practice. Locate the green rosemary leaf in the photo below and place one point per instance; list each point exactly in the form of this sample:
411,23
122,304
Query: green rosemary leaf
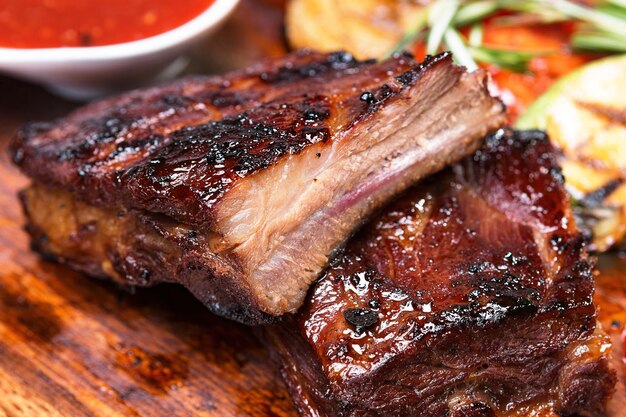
459,51
513,60
595,17
439,19
599,41
472,11
613,10
617,3
476,35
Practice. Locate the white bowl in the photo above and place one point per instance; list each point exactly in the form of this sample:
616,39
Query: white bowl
88,72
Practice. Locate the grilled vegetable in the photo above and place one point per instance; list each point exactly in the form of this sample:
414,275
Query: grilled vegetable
525,44
366,28
585,115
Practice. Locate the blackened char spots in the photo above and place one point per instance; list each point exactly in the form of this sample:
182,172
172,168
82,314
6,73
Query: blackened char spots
201,163
307,97
467,296
361,318
290,71
312,139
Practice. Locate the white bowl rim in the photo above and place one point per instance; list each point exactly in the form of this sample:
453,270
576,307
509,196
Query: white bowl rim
215,12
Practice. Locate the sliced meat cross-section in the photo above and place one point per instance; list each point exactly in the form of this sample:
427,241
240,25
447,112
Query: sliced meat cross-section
240,187
471,295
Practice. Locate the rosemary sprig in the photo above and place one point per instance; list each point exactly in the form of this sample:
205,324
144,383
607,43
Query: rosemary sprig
614,10
512,60
470,12
599,41
440,19
461,54
604,27
476,35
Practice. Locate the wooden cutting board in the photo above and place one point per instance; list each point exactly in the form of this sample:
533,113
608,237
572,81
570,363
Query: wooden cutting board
73,346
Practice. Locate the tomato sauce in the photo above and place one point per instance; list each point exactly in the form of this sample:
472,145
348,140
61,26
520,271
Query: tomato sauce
56,23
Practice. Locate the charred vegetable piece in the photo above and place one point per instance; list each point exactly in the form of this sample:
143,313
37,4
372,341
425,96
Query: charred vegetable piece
366,28
585,116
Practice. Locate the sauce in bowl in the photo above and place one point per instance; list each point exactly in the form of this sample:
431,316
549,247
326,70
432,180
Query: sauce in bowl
58,23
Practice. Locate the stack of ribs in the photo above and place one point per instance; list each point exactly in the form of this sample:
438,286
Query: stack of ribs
240,187
469,295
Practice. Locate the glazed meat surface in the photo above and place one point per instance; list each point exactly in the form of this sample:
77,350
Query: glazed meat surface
471,295
249,180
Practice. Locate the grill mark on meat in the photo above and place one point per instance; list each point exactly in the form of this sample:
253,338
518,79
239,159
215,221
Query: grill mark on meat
252,163
159,111
202,162
288,73
87,160
482,290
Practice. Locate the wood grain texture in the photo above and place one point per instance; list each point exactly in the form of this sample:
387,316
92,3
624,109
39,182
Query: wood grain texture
74,346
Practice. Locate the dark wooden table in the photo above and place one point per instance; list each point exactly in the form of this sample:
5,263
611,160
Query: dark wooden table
73,346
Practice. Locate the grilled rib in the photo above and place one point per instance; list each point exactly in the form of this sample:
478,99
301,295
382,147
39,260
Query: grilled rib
243,185
471,295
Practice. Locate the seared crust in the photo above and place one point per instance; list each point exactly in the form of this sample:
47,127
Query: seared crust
473,288
179,148
271,169
136,249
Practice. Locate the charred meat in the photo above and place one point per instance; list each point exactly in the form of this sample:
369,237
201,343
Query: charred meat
240,187
471,295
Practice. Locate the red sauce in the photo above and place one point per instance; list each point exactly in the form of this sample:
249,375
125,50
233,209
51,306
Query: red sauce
54,23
